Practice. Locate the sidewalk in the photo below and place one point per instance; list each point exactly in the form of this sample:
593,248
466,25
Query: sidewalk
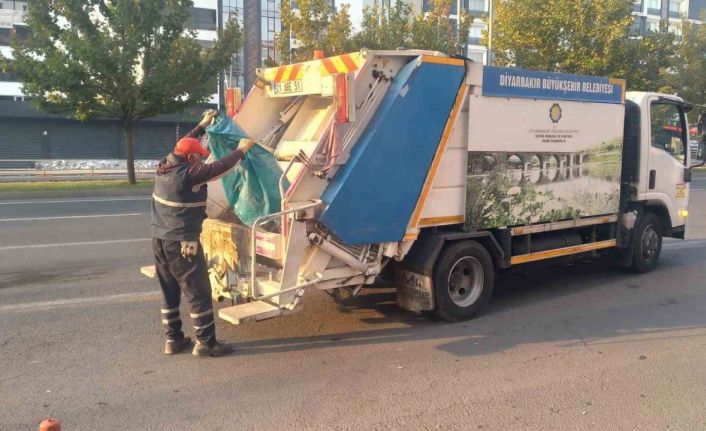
15,175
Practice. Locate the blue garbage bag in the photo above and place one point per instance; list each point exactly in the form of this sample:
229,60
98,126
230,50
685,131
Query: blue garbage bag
252,188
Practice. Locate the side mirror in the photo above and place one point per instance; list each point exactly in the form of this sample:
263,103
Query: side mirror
687,174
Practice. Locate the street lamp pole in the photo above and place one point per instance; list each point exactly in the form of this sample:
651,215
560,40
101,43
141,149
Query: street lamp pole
490,32
458,24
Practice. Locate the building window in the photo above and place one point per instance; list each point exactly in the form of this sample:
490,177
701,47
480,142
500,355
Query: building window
22,32
270,25
654,7
477,56
7,77
202,19
675,30
637,28
476,6
5,36
652,26
637,6
674,8
235,72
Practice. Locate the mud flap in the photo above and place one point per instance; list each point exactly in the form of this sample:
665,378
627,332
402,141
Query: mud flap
414,291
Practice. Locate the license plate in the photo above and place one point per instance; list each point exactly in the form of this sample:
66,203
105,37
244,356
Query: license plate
288,87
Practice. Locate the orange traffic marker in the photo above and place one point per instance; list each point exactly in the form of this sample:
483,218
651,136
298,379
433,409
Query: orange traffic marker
319,54
50,425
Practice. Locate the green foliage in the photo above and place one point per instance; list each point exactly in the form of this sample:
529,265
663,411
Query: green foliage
385,27
686,76
315,26
435,31
121,59
580,36
649,59
576,36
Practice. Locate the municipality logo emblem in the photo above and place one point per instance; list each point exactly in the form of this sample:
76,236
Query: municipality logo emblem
555,113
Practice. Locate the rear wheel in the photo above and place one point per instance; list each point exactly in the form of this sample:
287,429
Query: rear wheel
463,281
647,243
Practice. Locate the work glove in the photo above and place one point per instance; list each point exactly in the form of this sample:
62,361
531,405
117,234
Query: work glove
245,145
208,117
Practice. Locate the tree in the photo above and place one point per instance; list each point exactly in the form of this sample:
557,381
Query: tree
648,60
686,76
314,26
574,36
581,36
385,27
129,60
436,31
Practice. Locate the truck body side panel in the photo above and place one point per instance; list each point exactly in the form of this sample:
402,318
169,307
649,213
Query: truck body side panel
535,159
372,197
443,199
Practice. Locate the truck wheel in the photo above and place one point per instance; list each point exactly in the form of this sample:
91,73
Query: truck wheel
647,244
463,281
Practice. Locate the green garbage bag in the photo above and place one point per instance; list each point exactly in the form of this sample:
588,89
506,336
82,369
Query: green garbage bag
252,188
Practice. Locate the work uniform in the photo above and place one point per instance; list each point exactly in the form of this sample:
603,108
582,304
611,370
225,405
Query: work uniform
178,212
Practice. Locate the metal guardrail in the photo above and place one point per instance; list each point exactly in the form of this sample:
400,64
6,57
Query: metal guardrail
43,167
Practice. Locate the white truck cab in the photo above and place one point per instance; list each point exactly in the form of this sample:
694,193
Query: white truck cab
664,159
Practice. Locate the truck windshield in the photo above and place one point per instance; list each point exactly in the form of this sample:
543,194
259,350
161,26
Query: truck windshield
666,128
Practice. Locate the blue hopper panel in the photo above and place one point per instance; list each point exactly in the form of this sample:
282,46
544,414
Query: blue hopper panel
372,197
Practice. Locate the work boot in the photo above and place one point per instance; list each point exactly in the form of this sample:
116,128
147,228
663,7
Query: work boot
213,348
172,347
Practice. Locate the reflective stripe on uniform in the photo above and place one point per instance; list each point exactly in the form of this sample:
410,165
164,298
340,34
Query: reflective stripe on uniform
178,204
172,320
201,314
171,310
204,326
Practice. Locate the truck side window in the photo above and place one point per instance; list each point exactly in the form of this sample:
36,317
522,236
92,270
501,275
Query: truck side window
666,129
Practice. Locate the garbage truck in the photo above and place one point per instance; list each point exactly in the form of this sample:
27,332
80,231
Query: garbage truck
440,172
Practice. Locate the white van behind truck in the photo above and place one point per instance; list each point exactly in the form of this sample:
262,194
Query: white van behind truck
445,171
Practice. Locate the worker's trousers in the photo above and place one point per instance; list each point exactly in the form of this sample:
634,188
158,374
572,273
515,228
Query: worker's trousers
178,274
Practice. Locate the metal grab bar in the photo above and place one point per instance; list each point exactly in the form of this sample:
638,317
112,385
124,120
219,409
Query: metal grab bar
289,289
253,238
283,177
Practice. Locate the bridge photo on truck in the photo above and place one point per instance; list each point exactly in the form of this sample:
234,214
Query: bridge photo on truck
435,173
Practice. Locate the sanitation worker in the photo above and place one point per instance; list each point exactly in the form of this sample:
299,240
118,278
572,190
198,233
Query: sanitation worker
178,212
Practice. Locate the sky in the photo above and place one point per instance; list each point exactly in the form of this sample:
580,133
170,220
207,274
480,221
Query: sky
356,11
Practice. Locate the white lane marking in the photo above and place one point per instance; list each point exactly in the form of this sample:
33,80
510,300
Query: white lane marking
137,296
69,217
72,244
697,190
69,201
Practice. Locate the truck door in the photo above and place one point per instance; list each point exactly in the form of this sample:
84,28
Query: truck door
668,176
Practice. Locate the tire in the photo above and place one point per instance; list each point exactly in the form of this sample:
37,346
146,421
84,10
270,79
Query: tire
647,243
463,281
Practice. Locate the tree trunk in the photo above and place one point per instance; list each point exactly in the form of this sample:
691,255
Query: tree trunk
129,152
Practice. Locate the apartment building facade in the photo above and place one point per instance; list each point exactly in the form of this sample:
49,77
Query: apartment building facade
649,14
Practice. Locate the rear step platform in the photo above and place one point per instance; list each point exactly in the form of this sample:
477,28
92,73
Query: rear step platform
250,312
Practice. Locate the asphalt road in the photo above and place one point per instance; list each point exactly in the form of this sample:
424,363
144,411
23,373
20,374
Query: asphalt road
578,347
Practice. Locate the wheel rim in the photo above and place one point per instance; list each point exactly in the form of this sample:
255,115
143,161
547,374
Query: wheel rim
465,281
650,242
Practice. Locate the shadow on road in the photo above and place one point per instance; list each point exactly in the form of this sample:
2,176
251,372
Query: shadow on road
576,306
